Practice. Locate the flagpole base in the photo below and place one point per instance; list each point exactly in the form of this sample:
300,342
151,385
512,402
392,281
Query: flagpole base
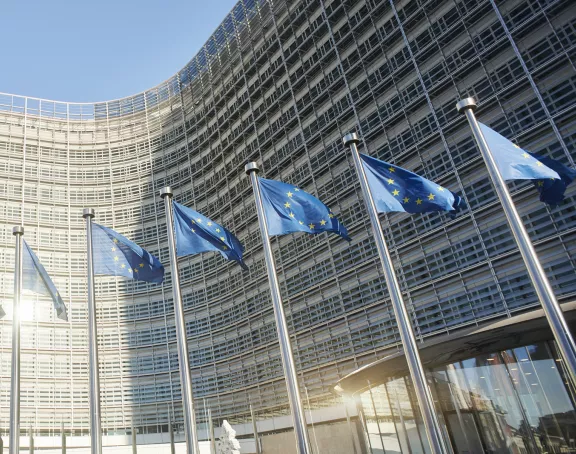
351,138
88,213
467,103
166,192
17,230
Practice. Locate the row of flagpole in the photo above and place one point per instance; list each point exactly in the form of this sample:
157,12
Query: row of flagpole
196,233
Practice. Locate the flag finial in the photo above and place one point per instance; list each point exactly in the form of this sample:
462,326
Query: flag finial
17,230
166,192
88,213
350,138
466,103
251,167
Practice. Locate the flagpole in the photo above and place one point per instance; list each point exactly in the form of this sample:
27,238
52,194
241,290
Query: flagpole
552,309
417,373
63,438
171,434
211,437
94,374
18,232
183,358
298,417
255,430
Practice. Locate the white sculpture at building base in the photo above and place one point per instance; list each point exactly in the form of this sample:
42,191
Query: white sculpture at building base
228,443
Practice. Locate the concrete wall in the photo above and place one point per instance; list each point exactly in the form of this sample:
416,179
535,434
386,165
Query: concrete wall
330,432
51,445
330,438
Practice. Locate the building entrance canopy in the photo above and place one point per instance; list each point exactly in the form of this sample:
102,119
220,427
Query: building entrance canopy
512,399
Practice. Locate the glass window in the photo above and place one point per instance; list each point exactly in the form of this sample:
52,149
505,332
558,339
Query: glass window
514,401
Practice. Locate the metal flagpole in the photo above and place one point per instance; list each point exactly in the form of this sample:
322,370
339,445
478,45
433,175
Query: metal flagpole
350,427
552,309
298,417
423,393
63,438
17,231
31,442
211,438
206,417
134,448
311,420
94,377
171,433
255,429
183,358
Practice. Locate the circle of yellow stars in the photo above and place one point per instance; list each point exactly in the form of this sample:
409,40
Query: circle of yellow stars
311,226
405,200
123,265
217,230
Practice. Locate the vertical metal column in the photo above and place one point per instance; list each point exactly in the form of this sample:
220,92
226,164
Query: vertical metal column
212,438
255,430
94,377
352,431
171,432
311,418
183,358
17,231
298,417
552,309
31,441
63,438
425,400
134,448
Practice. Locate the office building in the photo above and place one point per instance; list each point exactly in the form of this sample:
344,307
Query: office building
280,82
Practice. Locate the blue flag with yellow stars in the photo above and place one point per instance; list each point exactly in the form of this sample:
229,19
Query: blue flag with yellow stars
115,255
512,161
289,209
196,233
396,189
36,279
552,190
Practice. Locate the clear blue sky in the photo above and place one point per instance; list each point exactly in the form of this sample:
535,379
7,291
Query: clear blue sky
84,51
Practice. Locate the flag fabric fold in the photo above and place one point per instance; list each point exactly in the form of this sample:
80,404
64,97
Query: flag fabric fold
36,279
195,233
115,255
552,190
551,176
396,189
513,162
289,209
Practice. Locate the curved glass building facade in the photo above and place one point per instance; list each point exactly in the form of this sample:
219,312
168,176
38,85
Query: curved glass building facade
280,82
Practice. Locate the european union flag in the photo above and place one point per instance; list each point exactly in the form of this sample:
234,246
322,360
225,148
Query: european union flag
396,189
552,191
196,233
289,209
512,161
36,279
115,255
